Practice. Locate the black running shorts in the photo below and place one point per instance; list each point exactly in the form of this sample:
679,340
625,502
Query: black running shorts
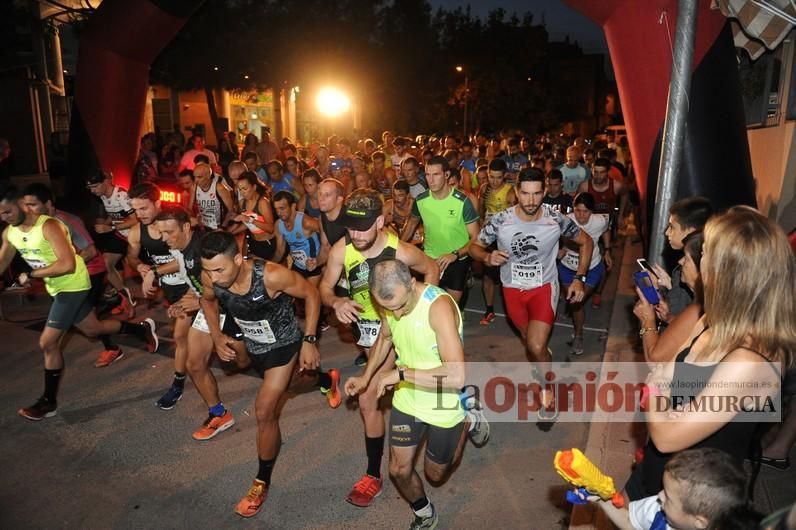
441,443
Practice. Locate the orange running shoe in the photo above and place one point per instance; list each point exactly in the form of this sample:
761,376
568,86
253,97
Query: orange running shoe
333,395
108,357
364,491
253,501
124,309
214,425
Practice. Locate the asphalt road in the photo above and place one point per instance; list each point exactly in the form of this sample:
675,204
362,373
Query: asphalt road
111,459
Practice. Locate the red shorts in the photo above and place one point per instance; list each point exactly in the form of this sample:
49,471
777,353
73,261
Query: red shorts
534,304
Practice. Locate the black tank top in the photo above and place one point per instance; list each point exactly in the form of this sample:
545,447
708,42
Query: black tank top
333,229
155,252
267,323
733,438
190,261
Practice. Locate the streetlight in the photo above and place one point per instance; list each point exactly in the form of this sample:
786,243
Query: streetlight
460,69
332,102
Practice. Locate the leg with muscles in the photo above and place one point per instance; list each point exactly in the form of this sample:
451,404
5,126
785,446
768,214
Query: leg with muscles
370,485
537,335
578,312
275,381
144,330
444,448
47,404
409,484
489,299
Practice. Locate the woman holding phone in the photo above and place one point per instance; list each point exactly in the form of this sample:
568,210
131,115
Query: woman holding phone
736,352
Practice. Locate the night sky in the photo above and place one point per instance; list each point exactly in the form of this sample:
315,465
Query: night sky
560,19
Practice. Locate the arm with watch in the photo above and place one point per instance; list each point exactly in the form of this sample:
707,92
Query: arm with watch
376,358
281,279
576,289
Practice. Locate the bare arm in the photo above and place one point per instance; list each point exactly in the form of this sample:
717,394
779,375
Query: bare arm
323,253
280,279
7,252
134,249
279,253
409,228
66,259
418,261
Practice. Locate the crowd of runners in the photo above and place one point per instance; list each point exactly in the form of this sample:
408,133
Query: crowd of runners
269,245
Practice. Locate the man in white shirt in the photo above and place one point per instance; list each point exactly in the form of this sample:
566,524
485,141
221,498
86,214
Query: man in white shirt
188,162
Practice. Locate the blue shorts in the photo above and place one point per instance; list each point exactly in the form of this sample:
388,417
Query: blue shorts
593,277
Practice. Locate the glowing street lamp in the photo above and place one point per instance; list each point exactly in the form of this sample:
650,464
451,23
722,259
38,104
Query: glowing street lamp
460,69
332,102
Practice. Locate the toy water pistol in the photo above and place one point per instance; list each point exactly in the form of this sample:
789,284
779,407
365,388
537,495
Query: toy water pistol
575,468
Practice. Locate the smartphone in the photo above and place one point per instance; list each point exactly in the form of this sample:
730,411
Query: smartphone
644,283
645,266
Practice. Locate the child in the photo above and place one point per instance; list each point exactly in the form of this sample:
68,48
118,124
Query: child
699,486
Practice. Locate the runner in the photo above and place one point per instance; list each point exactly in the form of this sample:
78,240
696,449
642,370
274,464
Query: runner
398,210
256,216
212,199
527,236
450,222
596,226
493,196
367,243
151,257
258,296
424,325
43,242
113,223
297,233
38,198
308,204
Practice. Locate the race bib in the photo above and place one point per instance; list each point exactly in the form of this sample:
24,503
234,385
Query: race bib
299,258
209,220
527,275
368,331
571,261
257,330
35,263
200,322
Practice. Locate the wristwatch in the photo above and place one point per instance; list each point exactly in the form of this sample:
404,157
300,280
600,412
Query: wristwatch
581,277
455,253
312,339
401,373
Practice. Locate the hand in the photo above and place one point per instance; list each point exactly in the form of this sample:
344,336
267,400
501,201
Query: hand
355,385
496,258
24,279
644,311
664,280
240,218
309,358
561,253
609,262
346,310
148,285
445,260
663,312
102,228
223,349
143,268
575,292
189,303
386,381
312,264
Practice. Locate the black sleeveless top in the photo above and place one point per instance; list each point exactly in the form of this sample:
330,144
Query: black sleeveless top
156,252
333,230
267,323
733,438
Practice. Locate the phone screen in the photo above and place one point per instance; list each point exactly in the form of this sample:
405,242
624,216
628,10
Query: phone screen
645,266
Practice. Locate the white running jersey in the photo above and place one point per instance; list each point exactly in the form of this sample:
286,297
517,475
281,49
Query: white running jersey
208,203
532,245
597,224
118,207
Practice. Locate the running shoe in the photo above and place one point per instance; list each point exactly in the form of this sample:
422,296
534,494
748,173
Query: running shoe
150,336
253,501
214,425
333,395
544,414
124,309
168,400
577,345
108,357
364,491
425,523
39,410
488,318
479,431
596,300
361,359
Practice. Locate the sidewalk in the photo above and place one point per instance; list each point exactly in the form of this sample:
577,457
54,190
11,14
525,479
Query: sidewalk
611,446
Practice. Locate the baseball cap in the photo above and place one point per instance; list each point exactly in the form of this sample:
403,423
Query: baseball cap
97,176
361,209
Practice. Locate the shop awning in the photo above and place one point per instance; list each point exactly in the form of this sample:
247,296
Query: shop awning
758,24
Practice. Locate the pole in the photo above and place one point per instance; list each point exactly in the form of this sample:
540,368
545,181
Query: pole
466,91
675,125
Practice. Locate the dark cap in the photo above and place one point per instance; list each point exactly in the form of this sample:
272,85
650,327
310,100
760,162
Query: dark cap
97,176
361,209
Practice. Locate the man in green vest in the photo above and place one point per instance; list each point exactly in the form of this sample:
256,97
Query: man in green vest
44,243
424,325
450,221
